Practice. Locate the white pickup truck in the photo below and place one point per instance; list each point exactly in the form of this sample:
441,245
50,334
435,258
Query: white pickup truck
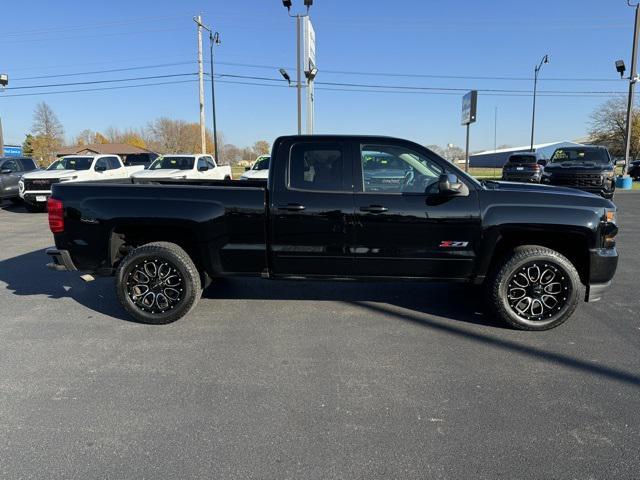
259,169
183,167
35,188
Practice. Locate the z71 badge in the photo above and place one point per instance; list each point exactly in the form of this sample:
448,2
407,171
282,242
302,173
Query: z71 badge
452,244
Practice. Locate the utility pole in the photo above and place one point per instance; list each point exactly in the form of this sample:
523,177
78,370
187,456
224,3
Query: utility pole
203,136
214,39
632,87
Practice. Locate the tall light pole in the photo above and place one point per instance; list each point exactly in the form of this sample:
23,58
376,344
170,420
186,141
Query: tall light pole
544,60
633,78
4,81
298,17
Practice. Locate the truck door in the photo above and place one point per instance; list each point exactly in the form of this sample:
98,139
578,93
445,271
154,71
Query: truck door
312,210
403,228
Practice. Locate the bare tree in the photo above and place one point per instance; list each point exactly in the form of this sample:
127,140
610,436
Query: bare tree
608,127
262,147
47,132
85,137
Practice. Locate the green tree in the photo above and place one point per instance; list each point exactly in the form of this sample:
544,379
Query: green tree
27,145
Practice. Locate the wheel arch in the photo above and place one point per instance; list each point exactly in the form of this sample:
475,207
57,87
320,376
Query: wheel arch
572,242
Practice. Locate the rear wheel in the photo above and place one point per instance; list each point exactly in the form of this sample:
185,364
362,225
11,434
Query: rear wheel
158,283
534,288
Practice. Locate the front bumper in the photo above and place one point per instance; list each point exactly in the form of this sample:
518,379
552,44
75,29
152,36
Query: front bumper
602,267
35,198
61,260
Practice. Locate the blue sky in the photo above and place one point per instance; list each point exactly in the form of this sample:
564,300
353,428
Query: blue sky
414,37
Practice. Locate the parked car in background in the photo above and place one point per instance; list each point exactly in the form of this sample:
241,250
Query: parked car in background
383,171
183,167
137,159
588,168
538,250
634,169
11,169
259,169
522,167
35,187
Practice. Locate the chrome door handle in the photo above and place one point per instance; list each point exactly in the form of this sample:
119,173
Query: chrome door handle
374,209
292,207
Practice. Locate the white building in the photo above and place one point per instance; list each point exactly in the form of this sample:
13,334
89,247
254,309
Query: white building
497,158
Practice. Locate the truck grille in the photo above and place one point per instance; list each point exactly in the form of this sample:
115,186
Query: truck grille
580,180
39,183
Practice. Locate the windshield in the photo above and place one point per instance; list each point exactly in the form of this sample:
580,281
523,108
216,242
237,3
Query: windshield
522,159
173,163
592,155
72,163
262,163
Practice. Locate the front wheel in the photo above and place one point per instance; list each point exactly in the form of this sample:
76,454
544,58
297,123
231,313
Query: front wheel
158,283
534,288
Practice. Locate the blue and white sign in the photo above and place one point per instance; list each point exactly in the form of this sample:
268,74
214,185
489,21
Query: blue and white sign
12,151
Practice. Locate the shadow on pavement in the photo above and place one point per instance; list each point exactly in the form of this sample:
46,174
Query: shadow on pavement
460,302
426,304
28,275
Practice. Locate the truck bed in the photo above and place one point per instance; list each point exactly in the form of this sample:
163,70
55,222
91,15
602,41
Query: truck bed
224,221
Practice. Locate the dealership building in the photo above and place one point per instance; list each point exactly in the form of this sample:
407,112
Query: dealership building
497,158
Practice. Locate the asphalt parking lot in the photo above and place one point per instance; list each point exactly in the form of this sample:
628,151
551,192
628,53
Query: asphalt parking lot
310,380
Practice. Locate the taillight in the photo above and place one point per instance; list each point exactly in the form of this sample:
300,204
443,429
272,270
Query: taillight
56,215
536,167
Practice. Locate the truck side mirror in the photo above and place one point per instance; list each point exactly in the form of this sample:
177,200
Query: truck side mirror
203,168
101,168
6,171
542,162
246,169
449,185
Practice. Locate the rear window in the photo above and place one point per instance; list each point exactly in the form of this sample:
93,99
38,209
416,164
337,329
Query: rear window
597,155
316,167
522,159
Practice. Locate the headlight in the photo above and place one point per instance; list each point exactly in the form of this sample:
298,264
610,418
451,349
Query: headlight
21,186
610,215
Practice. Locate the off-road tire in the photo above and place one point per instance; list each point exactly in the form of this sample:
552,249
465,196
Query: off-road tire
502,292
180,264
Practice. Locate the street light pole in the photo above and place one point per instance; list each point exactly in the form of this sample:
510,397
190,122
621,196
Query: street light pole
287,4
632,87
545,59
299,72
203,137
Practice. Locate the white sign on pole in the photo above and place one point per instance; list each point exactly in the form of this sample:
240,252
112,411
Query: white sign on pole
309,46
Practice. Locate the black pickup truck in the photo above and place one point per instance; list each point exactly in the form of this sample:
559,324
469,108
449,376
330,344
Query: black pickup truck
538,250
588,168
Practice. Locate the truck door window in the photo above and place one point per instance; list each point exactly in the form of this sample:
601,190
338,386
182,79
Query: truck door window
317,167
112,163
209,161
101,163
393,169
10,165
202,163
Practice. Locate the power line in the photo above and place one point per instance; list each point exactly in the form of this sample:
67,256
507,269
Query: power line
93,82
161,65
337,89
